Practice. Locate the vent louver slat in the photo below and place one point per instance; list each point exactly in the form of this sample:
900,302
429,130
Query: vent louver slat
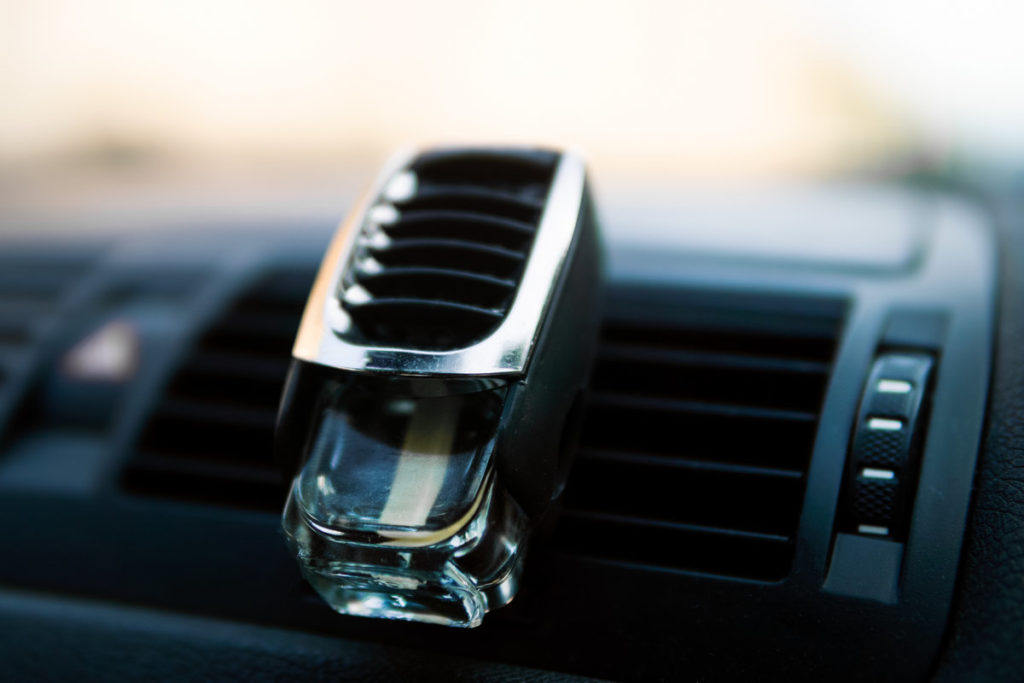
454,285
696,444
209,438
482,259
461,226
34,285
439,268
524,173
444,322
677,469
474,200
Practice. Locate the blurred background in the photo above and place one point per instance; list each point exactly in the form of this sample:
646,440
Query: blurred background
264,106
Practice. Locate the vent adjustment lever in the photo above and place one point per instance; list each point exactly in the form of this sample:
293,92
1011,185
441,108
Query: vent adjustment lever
882,470
881,479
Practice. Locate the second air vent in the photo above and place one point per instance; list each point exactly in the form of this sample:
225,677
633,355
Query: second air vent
698,437
209,437
441,255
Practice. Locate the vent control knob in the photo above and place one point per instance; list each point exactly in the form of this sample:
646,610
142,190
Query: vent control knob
883,463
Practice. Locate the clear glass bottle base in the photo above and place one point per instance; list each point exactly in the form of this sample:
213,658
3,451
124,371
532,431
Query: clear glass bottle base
368,592
454,581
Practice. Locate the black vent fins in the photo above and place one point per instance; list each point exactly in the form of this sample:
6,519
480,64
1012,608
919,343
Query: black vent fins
696,444
451,223
209,438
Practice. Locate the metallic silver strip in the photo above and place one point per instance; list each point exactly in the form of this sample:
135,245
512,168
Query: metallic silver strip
884,424
872,529
506,351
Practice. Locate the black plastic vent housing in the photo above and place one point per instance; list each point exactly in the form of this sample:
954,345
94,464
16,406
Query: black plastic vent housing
32,284
593,609
209,438
38,287
441,269
696,443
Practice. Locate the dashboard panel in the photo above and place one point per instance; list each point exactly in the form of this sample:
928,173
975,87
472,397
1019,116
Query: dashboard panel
705,530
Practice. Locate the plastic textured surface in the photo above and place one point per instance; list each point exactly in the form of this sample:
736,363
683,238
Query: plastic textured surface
986,635
882,448
109,643
226,564
846,574
874,500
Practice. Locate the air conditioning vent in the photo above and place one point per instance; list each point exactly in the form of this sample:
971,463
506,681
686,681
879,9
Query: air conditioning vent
34,284
438,267
209,438
696,443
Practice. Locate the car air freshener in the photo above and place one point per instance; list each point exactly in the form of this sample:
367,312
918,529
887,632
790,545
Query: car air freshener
429,414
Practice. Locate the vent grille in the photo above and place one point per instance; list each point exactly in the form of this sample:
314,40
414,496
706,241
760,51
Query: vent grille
210,437
693,456
34,284
439,268
696,444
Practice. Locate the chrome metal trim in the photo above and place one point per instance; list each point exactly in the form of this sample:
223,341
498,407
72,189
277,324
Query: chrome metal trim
506,351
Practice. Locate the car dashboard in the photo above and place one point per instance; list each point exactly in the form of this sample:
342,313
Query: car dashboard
721,518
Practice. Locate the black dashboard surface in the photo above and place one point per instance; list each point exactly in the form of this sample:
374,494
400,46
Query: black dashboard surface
986,631
104,580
